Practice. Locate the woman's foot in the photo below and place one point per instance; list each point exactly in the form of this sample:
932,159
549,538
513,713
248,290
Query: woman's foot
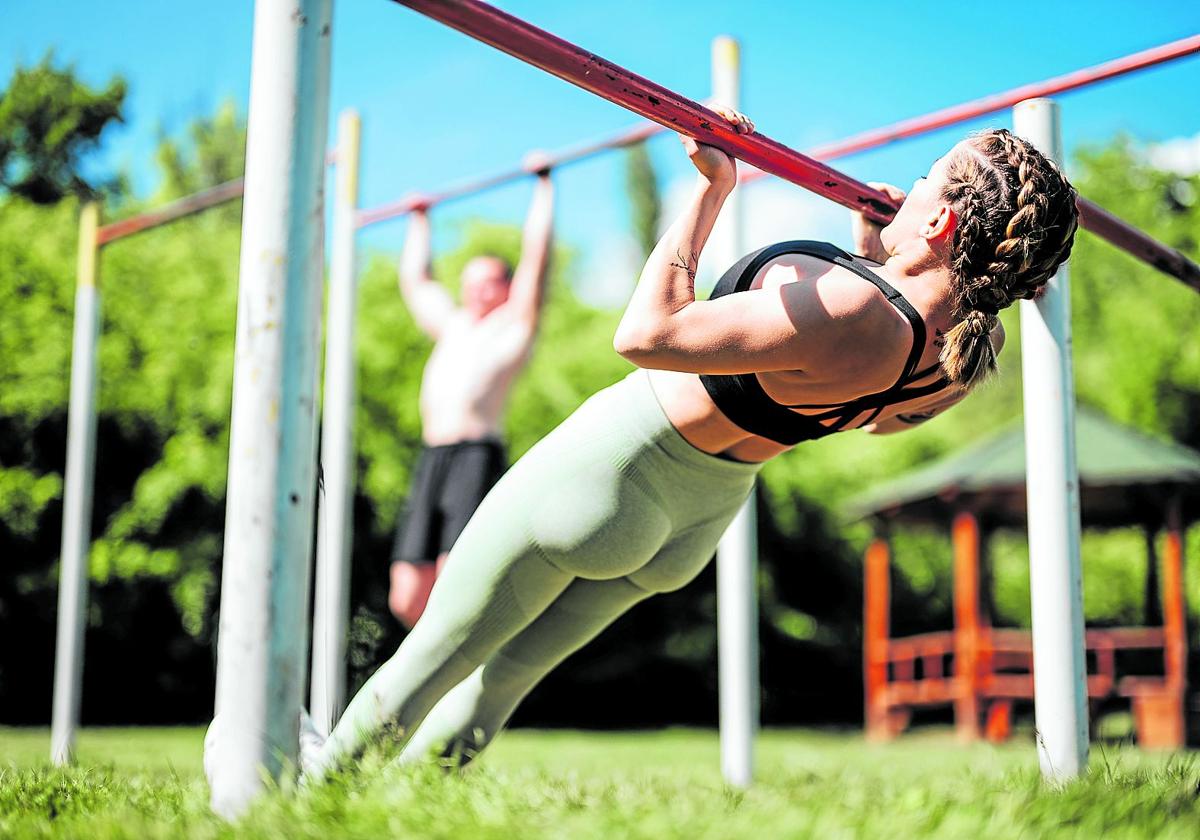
311,743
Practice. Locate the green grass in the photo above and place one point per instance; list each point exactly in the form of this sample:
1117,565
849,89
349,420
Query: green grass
148,783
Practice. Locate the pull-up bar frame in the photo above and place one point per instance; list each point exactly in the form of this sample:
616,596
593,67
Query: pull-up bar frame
652,101
574,154
189,205
974,108
594,74
589,71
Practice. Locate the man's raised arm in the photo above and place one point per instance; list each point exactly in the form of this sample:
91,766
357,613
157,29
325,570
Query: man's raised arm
529,277
430,304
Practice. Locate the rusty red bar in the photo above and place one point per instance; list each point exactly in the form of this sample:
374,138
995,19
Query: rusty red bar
616,84
573,154
1094,218
186,206
654,102
999,101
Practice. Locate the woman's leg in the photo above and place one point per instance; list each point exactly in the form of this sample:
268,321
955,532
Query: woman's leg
494,584
571,508
466,719
474,711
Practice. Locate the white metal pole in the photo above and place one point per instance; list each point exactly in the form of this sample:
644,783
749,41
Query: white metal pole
272,459
1052,481
335,521
737,554
77,494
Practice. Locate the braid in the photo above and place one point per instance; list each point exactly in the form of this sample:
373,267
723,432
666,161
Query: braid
1016,224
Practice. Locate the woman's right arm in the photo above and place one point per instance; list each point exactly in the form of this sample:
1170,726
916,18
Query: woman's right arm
792,327
867,242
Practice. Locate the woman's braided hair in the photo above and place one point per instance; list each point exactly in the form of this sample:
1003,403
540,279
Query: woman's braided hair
1016,224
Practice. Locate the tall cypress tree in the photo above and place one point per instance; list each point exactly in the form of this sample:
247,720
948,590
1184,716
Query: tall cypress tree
645,204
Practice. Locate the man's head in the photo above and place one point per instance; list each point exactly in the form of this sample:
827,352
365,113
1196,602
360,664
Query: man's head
485,284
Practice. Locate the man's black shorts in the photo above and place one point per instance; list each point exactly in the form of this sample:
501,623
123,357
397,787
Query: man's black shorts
448,484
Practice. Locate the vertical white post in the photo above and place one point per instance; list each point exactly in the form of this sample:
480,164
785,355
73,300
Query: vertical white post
77,494
335,521
737,554
1052,481
269,510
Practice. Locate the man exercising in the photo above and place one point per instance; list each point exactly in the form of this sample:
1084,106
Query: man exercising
479,348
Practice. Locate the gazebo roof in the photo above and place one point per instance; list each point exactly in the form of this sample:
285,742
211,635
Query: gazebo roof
1125,478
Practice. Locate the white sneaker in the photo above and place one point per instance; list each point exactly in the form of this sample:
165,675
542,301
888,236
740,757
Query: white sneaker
214,741
311,743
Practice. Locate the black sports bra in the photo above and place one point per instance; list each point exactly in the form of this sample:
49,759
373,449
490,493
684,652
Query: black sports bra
741,397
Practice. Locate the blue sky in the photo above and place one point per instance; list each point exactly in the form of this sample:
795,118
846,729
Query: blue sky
438,106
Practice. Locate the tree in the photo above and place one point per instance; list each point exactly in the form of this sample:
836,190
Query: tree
641,183
214,152
166,363
49,120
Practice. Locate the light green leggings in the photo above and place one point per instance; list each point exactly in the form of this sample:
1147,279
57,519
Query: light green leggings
611,507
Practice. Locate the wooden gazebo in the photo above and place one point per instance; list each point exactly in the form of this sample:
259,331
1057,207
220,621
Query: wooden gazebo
1126,478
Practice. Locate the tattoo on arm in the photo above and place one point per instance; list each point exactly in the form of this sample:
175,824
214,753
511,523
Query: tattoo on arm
914,419
939,340
688,265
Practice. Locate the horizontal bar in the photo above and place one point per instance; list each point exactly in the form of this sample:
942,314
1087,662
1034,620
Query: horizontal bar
654,102
592,73
1094,218
186,206
181,208
1000,101
408,203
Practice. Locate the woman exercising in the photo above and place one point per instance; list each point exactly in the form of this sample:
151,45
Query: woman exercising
629,496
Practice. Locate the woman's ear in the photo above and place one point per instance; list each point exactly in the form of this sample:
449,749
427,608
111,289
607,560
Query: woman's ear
940,223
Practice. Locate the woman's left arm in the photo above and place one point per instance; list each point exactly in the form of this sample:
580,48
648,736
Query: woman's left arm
665,327
667,285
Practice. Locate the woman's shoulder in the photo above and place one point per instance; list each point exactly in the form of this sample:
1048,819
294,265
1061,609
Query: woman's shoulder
849,329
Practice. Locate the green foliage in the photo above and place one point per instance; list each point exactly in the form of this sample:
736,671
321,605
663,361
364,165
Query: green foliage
49,120
166,360
1131,323
656,785
641,185
165,363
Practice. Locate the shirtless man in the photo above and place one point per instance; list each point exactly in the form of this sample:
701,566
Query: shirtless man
479,348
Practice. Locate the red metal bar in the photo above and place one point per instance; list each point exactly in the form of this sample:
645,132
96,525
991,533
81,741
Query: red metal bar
605,79
573,154
186,206
999,101
654,102
1094,218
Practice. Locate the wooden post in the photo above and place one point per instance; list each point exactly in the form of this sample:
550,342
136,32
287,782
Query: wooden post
1174,613
1174,610
965,540
1159,716
876,598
